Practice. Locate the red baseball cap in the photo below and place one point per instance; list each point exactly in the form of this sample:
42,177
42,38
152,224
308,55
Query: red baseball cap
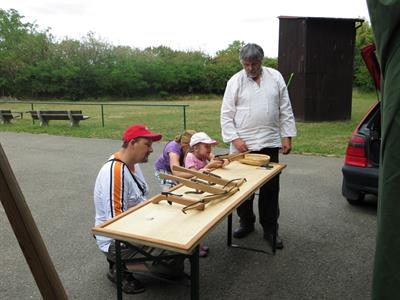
139,130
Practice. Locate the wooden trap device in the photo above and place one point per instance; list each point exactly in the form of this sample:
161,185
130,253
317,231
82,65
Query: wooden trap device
215,187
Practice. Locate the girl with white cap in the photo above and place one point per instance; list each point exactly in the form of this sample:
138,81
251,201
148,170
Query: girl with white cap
201,158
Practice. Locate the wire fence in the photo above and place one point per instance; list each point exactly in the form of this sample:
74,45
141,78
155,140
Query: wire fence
102,107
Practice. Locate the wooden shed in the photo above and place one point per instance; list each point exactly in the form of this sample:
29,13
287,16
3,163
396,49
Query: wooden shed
320,53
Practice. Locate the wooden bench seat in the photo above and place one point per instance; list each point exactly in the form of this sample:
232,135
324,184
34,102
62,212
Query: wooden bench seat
44,116
6,115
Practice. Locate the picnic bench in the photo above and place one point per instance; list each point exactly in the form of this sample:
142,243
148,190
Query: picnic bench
44,116
6,115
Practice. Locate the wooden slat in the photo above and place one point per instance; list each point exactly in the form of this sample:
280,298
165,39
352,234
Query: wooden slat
61,117
233,156
179,200
209,177
27,234
194,185
49,112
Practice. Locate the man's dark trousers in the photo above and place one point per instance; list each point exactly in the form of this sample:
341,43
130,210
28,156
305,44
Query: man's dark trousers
268,198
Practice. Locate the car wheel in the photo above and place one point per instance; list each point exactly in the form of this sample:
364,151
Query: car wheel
358,201
352,196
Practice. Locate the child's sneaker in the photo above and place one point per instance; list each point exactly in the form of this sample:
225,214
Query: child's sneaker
203,250
204,247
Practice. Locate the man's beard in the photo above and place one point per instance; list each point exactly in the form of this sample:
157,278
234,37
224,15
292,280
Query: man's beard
253,75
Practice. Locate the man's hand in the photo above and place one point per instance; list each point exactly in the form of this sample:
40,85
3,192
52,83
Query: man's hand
286,145
240,145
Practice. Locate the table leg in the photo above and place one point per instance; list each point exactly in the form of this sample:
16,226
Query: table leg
275,230
194,274
118,269
229,239
274,238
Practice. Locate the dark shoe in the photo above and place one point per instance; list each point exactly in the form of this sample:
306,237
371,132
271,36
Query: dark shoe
112,275
130,285
269,237
243,231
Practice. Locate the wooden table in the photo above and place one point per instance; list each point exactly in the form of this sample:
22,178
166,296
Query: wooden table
165,226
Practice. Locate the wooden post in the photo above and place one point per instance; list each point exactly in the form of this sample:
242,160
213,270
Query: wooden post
27,233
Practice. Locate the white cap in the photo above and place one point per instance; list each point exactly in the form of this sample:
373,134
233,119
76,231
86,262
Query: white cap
201,137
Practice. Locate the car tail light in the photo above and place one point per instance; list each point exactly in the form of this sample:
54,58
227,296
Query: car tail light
356,152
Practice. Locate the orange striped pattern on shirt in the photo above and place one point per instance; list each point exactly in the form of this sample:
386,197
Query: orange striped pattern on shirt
117,188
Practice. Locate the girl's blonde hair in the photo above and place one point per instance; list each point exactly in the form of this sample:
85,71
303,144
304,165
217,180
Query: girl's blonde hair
184,137
184,140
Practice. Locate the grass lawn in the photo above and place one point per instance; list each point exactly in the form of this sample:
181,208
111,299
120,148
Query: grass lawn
325,138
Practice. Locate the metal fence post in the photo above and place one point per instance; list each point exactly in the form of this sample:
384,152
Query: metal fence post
102,115
33,120
184,117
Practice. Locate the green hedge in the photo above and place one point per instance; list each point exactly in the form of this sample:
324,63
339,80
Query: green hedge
35,65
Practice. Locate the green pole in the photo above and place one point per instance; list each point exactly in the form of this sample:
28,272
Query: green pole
102,115
33,121
184,117
290,79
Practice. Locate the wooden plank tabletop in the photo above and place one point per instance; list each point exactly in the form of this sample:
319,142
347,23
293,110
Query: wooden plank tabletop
166,226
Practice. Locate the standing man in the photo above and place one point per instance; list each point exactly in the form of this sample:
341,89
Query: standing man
256,116
120,185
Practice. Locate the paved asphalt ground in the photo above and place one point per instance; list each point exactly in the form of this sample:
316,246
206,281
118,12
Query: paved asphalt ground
329,245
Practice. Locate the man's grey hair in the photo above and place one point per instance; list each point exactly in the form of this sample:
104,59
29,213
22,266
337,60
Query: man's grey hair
251,52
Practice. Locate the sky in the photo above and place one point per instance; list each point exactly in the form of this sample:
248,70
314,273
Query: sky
188,25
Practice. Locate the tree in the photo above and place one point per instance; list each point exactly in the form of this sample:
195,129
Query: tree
222,67
126,76
21,46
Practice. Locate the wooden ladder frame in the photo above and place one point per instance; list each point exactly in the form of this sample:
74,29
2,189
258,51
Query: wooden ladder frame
201,182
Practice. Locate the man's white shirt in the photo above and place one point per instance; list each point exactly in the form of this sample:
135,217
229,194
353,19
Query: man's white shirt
261,115
115,191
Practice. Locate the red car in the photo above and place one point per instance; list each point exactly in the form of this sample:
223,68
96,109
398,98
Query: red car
361,165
